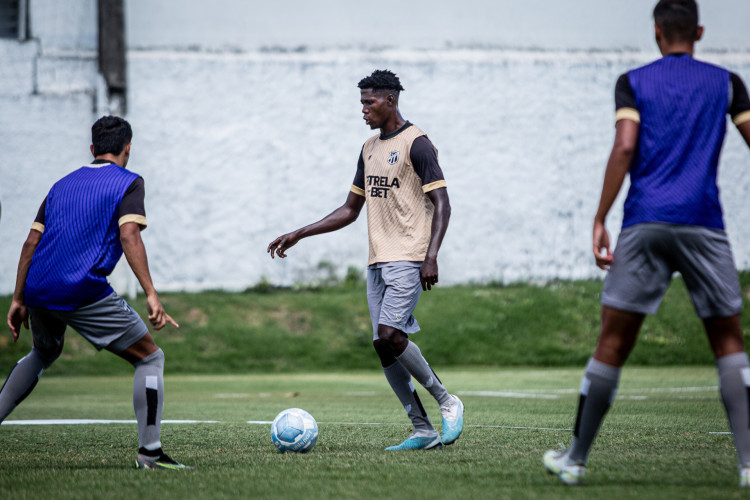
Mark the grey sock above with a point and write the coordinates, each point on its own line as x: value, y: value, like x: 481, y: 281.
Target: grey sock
x: 734, y: 386
x: 21, y: 380
x: 148, y: 399
x: 598, y: 390
x: 415, y: 364
x: 400, y: 382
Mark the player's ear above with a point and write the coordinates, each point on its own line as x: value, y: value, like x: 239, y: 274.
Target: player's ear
x: 699, y: 33
x: 657, y: 33
x: 92, y: 150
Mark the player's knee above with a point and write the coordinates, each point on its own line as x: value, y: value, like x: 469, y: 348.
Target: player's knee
x: 385, y: 352
x: 47, y: 356
x: 387, y: 333
x: 396, y: 339
x: 155, y: 359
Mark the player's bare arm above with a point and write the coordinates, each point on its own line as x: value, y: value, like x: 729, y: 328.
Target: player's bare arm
x: 428, y: 274
x: 341, y: 217
x: 745, y: 132
x: 18, y: 313
x: 626, y: 140
x: 135, y: 253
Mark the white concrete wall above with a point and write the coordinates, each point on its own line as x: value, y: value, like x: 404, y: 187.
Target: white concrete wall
x: 545, y: 24
x: 239, y: 145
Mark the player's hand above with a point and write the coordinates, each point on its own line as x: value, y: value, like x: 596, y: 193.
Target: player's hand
x: 281, y: 244
x: 428, y: 273
x: 602, y: 252
x: 156, y: 313
x: 17, y: 315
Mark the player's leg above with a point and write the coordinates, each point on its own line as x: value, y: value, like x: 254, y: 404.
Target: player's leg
x: 398, y: 378
x: 639, y: 276
x: 402, y: 291
x: 725, y: 337
x: 48, y: 333
x: 600, y: 380
x: 113, y: 325
x: 597, y: 392
x: 707, y: 266
x: 148, y: 401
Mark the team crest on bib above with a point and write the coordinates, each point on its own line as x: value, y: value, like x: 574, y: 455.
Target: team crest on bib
x: 392, y: 157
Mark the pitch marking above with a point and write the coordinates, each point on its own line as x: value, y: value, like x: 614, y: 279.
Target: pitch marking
x: 395, y: 424
x: 86, y: 421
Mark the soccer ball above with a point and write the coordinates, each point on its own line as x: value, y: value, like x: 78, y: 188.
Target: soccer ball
x: 294, y: 430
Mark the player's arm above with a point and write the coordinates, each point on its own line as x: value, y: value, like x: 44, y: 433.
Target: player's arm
x: 18, y: 312
x: 627, y: 126
x: 424, y: 159
x: 341, y: 217
x: 428, y: 274
x: 135, y: 253
x: 745, y: 132
x: 740, y: 107
x: 132, y: 220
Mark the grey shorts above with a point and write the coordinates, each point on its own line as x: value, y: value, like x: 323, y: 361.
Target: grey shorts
x: 646, y: 257
x: 393, y: 290
x: 109, y: 323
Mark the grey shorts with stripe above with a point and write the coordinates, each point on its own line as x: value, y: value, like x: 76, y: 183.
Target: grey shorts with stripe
x: 393, y: 290
x: 109, y: 323
x: 646, y: 257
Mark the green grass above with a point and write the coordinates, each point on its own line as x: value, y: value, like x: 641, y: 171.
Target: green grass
x: 282, y: 330
x: 655, y: 443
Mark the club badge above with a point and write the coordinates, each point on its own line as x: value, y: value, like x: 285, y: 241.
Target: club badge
x: 393, y: 157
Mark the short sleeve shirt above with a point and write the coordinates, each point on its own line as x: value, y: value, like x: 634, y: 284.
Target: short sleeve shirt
x: 626, y: 108
x: 132, y: 207
x: 394, y: 174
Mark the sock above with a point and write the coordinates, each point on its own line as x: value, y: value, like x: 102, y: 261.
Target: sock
x: 400, y: 382
x: 148, y: 400
x: 417, y: 366
x: 157, y: 453
x: 598, y: 390
x: 21, y: 380
x: 734, y: 386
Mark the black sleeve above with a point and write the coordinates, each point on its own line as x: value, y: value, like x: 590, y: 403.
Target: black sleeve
x: 424, y: 158
x: 133, y: 201
x: 40, y: 213
x: 359, y: 177
x: 624, y: 96
x: 740, y: 100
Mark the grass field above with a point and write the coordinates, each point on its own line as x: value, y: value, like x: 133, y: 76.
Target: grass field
x: 242, y: 357
x: 657, y: 442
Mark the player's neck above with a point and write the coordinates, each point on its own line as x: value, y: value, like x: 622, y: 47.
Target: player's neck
x: 116, y: 159
x: 393, y: 124
x: 669, y: 49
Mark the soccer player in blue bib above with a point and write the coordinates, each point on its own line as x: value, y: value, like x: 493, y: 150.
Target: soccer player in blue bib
x: 670, y: 126
x: 87, y: 221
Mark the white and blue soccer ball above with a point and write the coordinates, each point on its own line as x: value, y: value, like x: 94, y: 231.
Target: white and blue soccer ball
x: 294, y: 430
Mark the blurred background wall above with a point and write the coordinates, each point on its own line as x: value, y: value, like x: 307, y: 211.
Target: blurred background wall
x: 247, y: 125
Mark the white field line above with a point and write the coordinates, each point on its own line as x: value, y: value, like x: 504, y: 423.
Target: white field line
x: 87, y: 421
x: 400, y: 424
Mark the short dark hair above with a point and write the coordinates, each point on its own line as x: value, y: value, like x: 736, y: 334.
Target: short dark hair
x: 678, y: 19
x: 110, y: 134
x: 381, y: 80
